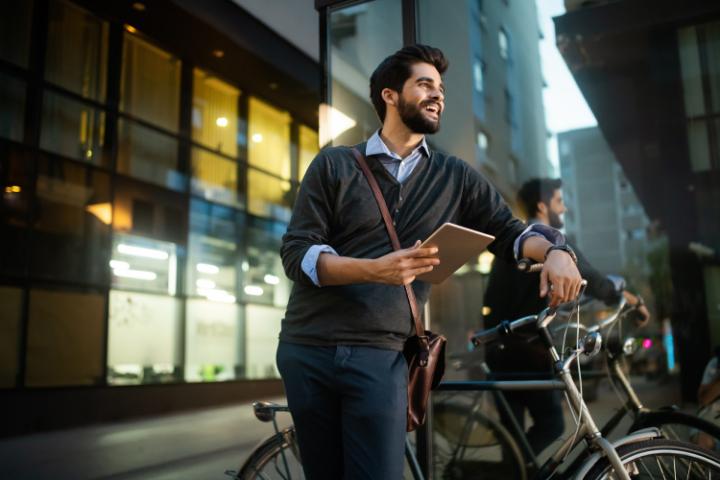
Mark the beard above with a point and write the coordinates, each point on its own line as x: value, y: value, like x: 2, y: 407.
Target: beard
x: 555, y: 220
x: 413, y: 117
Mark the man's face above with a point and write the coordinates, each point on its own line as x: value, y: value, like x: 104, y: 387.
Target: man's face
x: 422, y: 99
x: 556, y: 209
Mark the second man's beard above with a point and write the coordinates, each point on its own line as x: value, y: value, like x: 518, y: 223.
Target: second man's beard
x: 555, y: 220
x: 413, y: 117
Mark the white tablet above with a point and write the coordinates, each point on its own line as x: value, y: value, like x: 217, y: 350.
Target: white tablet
x: 456, y: 246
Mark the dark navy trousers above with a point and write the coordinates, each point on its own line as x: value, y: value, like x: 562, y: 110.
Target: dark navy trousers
x: 349, y: 406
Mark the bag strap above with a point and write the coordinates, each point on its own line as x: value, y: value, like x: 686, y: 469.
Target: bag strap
x: 419, y: 328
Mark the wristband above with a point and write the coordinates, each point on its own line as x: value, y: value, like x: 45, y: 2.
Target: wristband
x: 564, y: 248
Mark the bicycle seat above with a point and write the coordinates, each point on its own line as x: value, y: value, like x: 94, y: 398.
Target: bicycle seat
x: 265, y: 411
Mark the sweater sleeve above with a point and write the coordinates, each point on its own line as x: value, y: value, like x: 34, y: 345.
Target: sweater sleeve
x: 486, y: 211
x: 599, y: 286
x: 311, y: 218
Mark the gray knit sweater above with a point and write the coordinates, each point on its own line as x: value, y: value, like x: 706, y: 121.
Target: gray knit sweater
x: 335, y: 206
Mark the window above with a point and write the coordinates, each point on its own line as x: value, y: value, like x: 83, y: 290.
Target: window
x: 76, y: 50
x: 216, y: 178
x: 215, y: 113
x: 73, y: 129
x: 269, y: 132
x: 150, y: 84
x: 264, y: 280
x: 144, y: 338
x: 149, y: 155
x: 213, y: 255
x: 11, y: 300
x: 309, y: 147
x: 65, y: 338
x: 215, y: 341
x: 478, y: 75
x: 263, y: 328
x: 16, y: 184
x: 15, y: 25
x: 141, y: 263
x: 72, y: 223
x: 12, y: 107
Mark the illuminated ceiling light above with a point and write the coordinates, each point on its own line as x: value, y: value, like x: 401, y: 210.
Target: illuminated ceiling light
x: 130, y: 29
x: 245, y: 266
x: 207, y: 268
x: 136, y: 274
x: 142, y: 252
x: 485, y: 262
x: 221, y: 122
x: 119, y: 265
x: 271, y: 279
x: 13, y: 189
x: 486, y: 311
x: 218, y: 295
x: 333, y: 123
x: 139, y: 6
x: 103, y: 211
x: 257, y: 137
x: 218, y: 53
x: 254, y: 290
x: 204, y: 283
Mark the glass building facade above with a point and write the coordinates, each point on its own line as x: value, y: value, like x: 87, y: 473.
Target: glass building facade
x: 147, y: 181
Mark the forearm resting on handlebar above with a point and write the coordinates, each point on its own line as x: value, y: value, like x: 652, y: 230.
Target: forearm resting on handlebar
x: 559, y: 270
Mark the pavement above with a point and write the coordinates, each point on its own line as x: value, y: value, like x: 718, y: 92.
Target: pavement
x: 194, y: 445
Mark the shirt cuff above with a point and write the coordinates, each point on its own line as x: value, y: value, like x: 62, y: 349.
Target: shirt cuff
x: 550, y: 234
x: 309, y: 261
x: 618, y: 282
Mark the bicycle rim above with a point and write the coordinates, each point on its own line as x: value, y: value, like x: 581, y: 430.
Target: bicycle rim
x: 661, y: 459
x: 276, y: 459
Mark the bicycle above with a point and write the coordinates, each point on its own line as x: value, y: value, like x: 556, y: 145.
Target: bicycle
x: 643, y: 454
x: 467, y: 431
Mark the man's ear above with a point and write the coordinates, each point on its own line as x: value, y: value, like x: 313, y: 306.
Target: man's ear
x: 542, y: 208
x: 390, y: 96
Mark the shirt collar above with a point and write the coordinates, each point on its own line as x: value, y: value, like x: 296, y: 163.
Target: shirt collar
x: 375, y: 146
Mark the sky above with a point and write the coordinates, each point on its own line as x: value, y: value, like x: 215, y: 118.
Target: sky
x: 565, y: 107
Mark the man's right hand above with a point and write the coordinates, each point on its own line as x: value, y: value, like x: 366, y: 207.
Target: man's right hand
x: 402, y: 266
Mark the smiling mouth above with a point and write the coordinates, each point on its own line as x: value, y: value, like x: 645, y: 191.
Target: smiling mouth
x: 433, y: 109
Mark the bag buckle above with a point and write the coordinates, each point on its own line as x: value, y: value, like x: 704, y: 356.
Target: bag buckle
x: 424, y: 353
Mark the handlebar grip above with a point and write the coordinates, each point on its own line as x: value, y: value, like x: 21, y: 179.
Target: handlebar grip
x: 527, y: 266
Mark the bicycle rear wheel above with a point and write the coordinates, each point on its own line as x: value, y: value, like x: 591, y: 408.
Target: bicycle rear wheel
x: 277, y: 458
x: 660, y: 459
x: 469, y: 446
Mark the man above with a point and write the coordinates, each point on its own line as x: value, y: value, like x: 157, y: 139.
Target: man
x: 340, y: 352
x: 512, y: 294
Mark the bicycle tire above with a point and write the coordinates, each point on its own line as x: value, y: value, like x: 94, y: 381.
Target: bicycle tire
x: 662, y: 459
x: 664, y: 419
x: 266, y: 461
x: 487, y: 434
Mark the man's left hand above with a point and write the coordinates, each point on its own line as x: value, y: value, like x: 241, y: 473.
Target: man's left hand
x: 560, y: 277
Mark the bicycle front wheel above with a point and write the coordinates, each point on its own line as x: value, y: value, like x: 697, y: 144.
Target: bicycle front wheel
x: 660, y: 459
x: 277, y: 458
x: 682, y: 427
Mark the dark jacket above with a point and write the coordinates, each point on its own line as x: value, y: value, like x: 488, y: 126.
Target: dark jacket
x: 335, y: 206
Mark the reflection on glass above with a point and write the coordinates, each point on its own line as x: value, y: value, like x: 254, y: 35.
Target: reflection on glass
x: 309, y: 147
x: 143, y: 338
x: 147, y: 154
x: 214, y: 341
x: 15, y: 23
x: 215, y: 113
x: 360, y: 37
x: 11, y: 300
x: 264, y: 280
x: 17, y: 182
x: 65, y: 338
x: 268, y: 196
x: 269, y: 134
x: 215, y: 178
x: 262, y: 327
x: 12, y: 107
x: 213, y: 247
x: 139, y: 263
x: 72, y: 224
x: 72, y: 129
x: 76, y: 50
x: 150, y: 83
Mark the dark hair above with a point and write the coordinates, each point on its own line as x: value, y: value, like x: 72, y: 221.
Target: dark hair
x: 537, y: 190
x: 395, y: 70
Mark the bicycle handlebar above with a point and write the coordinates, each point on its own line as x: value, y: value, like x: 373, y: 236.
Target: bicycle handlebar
x: 503, y: 328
